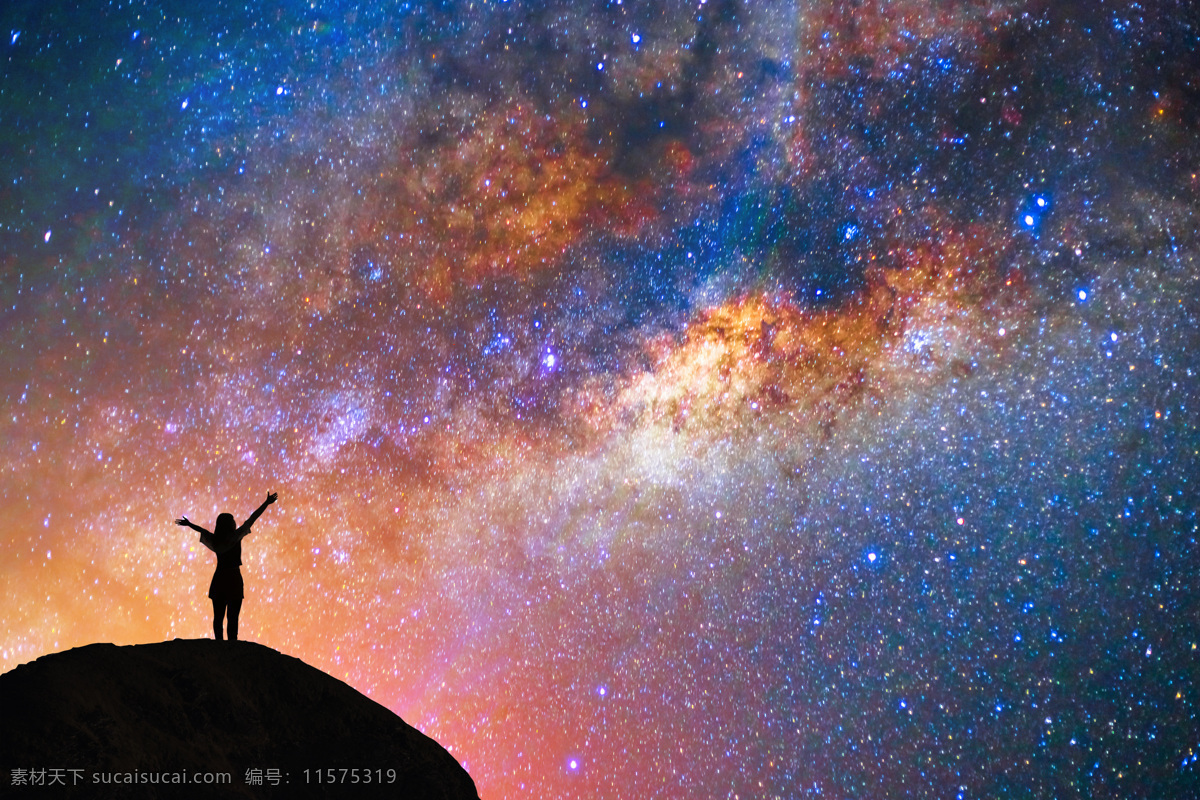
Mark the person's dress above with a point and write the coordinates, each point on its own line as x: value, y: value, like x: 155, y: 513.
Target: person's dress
x: 226, y: 582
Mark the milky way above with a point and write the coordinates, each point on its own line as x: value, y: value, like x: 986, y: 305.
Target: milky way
x: 706, y: 399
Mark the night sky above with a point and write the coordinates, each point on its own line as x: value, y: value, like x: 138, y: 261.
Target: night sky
x: 665, y: 399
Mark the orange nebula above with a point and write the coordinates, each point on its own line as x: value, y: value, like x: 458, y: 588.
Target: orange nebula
x: 763, y: 355
x: 505, y: 196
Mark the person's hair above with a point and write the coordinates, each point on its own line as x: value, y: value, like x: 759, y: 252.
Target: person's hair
x: 225, y: 526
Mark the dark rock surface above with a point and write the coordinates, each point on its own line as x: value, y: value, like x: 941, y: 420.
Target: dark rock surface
x: 162, y: 711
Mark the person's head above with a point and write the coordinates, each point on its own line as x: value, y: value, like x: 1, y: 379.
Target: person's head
x: 225, y: 525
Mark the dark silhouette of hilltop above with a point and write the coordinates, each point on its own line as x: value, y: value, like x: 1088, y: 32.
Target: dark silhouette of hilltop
x: 153, y: 715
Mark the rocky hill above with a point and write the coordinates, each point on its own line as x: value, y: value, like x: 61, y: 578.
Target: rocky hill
x: 207, y: 718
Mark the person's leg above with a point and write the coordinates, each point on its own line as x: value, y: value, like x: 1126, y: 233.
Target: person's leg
x: 235, y: 606
x: 218, y: 617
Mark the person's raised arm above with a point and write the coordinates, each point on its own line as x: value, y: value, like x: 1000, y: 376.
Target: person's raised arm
x: 187, y: 523
x: 206, y: 537
x: 271, y: 498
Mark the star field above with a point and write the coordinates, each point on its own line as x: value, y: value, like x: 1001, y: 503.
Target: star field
x: 665, y: 399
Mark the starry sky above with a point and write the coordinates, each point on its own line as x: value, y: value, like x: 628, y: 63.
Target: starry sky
x: 721, y: 398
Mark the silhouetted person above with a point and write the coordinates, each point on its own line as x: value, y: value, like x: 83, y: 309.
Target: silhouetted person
x: 226, y: 591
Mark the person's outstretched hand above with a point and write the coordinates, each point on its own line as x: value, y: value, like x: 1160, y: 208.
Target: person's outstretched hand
x: 183, y: 521
x: 272, y: 497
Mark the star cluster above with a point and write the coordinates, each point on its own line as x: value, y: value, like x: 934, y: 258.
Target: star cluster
x: 666, y: 399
